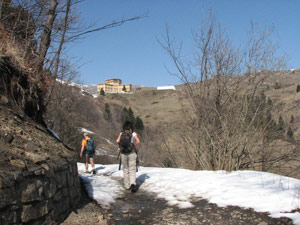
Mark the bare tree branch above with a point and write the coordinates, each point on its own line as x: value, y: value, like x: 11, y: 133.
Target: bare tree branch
x: 107, y: 26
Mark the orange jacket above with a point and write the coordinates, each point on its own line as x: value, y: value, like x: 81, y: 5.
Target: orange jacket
x: 83, y: 143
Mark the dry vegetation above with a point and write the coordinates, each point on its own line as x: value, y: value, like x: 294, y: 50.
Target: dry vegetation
x: 216, y: 120
x: 161, y: 112
x: 33, y: 37
x: 232, y: 124
x: 165, y: 114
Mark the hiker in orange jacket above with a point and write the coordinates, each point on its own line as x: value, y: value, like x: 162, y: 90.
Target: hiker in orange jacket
x: 88, y: 155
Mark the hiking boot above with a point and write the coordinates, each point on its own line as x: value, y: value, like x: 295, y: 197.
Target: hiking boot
x: 86, y: 171
x: 133, y: 188
x: 94, y: 172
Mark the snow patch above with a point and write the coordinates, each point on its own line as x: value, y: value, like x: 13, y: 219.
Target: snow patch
x: 83, y: 130
x: 160, y: 88
x: 261, y: 191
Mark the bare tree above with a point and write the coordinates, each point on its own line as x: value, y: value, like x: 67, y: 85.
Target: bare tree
x: 68, y: 32
x: 230, y: 125
x: 41, y: 31
x: 44, y: 28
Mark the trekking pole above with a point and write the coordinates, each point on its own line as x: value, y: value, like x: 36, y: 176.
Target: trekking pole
x: 119, y: 156
x: 137, y: 159
x: 120, y: 163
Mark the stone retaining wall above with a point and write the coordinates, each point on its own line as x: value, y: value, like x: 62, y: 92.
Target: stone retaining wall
x: 42, y: 195
x: 39, y: 181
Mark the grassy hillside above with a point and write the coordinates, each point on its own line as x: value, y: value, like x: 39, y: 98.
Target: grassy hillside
x: 164, y: 111
x: 165, y: 118
x: 161, y: 112
x: 286, y: 100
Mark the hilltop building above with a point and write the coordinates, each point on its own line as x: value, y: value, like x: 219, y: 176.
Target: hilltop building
x: 114, y: 86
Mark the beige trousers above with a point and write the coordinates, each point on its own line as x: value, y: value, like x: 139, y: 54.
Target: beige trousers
x: 129, y: 169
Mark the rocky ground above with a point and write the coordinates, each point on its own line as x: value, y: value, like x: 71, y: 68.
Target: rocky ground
x: 143, y: 208
x: 38, y: 173
x: 88, y: 212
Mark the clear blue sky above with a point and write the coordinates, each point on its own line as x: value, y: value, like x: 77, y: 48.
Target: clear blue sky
x: 131, y: 52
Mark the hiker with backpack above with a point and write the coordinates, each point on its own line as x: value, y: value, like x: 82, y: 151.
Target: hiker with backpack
x: 88, y: 148
x: 128, y: 141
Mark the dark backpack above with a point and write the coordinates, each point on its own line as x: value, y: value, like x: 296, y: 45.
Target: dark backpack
x: 125, y: 142
x: 90, y: 146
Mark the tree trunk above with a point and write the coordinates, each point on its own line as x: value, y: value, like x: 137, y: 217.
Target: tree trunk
x: 46, y: 36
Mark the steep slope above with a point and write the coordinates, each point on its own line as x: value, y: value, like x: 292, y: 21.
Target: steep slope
x: 165, y: 117
x: 164, y: 112
x: 162, y: 115
x: 38, y: 173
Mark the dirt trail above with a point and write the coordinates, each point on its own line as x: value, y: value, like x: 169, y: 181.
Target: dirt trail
x: 144, y: 208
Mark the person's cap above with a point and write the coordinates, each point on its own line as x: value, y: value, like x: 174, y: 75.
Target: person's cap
x: 85, y: 134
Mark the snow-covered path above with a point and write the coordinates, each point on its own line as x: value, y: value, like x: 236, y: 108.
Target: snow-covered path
x: 264, y: 192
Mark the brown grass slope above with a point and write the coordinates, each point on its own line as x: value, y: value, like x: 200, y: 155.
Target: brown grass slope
x: 163, y: 111
x: 164, y: 117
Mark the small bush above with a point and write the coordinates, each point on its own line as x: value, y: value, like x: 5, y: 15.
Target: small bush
x: 290, y: 133
x: 102, y: 92
x: 107, y: 113
x: 277, y: 85
x: 292, y: 119
x: 281, y: 125
x: 298, y: 88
